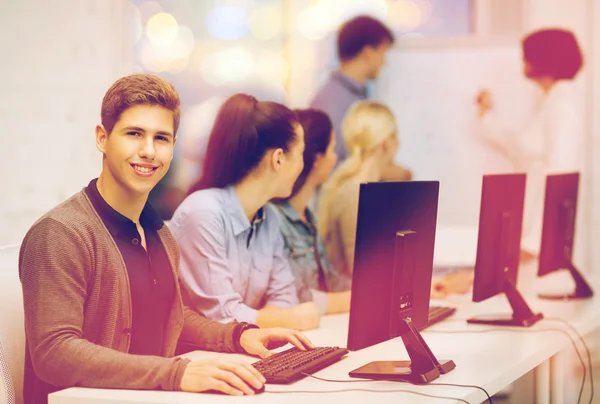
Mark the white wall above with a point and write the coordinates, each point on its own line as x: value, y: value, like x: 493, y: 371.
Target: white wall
x: 58, y: 59
x: 594, y: 113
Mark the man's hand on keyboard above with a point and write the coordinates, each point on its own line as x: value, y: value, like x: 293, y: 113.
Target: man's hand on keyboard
x: 229, y: 376
x: 257, y: 341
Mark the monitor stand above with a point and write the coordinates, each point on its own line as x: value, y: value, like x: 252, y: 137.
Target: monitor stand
x: 423, y: 366
x: 582, y: 289
x: 522, y: 315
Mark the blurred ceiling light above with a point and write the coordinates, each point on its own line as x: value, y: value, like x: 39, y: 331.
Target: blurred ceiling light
x: 148, y: 9
x: 271, y: 67
x: 137, y: 28
x: 162, y: 29
x: 228, y: 65
x: 407, y: 15
x: 224, y: 22
x: 265, y: 22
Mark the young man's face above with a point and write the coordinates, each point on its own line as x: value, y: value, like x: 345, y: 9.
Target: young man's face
x: 139, y: 149
x: 376, y: 58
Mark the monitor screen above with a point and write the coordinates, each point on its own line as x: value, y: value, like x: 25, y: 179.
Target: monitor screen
x: 558, y: 229
x: 499, y: 240
x: 395, y: 237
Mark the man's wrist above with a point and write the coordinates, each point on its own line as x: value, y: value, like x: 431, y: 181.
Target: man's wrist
x: 237, y: 335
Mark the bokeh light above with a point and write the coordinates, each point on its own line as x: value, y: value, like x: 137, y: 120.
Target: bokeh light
x: 225, y: 22
x: 151, y: 58
x: 148, y: 9
x: 265, y: 22
x: 311, y: 23
x: 407, y: 15
x: 272, y: 68
x: 174, y: 57
x: 162, y: 29
x: 186, y: 37
x: 227, y: 66
x: 325, y: 16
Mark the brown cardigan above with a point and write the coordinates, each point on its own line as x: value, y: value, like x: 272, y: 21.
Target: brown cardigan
x: 78, y: 310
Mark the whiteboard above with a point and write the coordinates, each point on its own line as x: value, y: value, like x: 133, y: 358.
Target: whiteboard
x: 432, y: 94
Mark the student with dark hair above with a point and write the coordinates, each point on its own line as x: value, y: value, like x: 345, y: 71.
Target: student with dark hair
x: 233, y: 267
x: 316, y: 279
x: 362, y: 44
x: 552, y: 142
x: 99, y: 273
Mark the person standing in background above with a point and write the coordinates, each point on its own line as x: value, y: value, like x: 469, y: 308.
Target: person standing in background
x: 552, y: 142
x: 362, y: 44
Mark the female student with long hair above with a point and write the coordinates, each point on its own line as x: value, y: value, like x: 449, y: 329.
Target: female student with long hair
x: 370, y: 132
x: 552, y: 142
x: 316, y: 279
x: 232, y: 262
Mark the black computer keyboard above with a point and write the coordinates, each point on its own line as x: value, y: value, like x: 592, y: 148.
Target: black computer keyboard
x: 293, y: 364
x: 437, y: 314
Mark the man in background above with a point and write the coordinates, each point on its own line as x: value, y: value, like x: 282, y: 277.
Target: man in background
x: 362, y: 44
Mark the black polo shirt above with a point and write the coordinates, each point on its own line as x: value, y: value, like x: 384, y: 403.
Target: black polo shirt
x: 151, y: 281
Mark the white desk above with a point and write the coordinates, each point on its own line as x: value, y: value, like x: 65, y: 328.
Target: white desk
x: 491, y: 360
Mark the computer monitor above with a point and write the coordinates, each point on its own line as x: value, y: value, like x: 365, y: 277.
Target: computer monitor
x: 558, y: 233
x: 391, y: 280
x: 499, y: 247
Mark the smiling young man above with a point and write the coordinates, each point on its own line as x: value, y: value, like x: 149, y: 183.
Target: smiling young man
x: 99, y: 273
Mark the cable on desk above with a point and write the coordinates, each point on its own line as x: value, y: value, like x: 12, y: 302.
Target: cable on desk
x: 414, y: 384
x: 587, y: 351
x: 369, y: 391
x: 516, y: 330
x: 466, y: 386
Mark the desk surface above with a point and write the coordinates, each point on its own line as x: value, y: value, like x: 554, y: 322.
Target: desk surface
x: 491, y: 360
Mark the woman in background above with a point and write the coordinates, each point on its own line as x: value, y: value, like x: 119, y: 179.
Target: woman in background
x: 233, y: 266
x: 552, y: 142
x: 369, y: 130
x: 316, y: 279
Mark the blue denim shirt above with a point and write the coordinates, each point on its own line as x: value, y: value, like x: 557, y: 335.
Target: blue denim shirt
x: 299, y: 239
x: 230, y: 267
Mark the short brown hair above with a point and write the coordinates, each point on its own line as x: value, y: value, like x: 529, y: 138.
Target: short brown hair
x: 138, y: 89
x: 354, y: 35
x: 553, y: 52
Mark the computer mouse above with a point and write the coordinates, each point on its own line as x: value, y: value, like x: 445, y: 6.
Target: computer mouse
x: 259, y: 391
